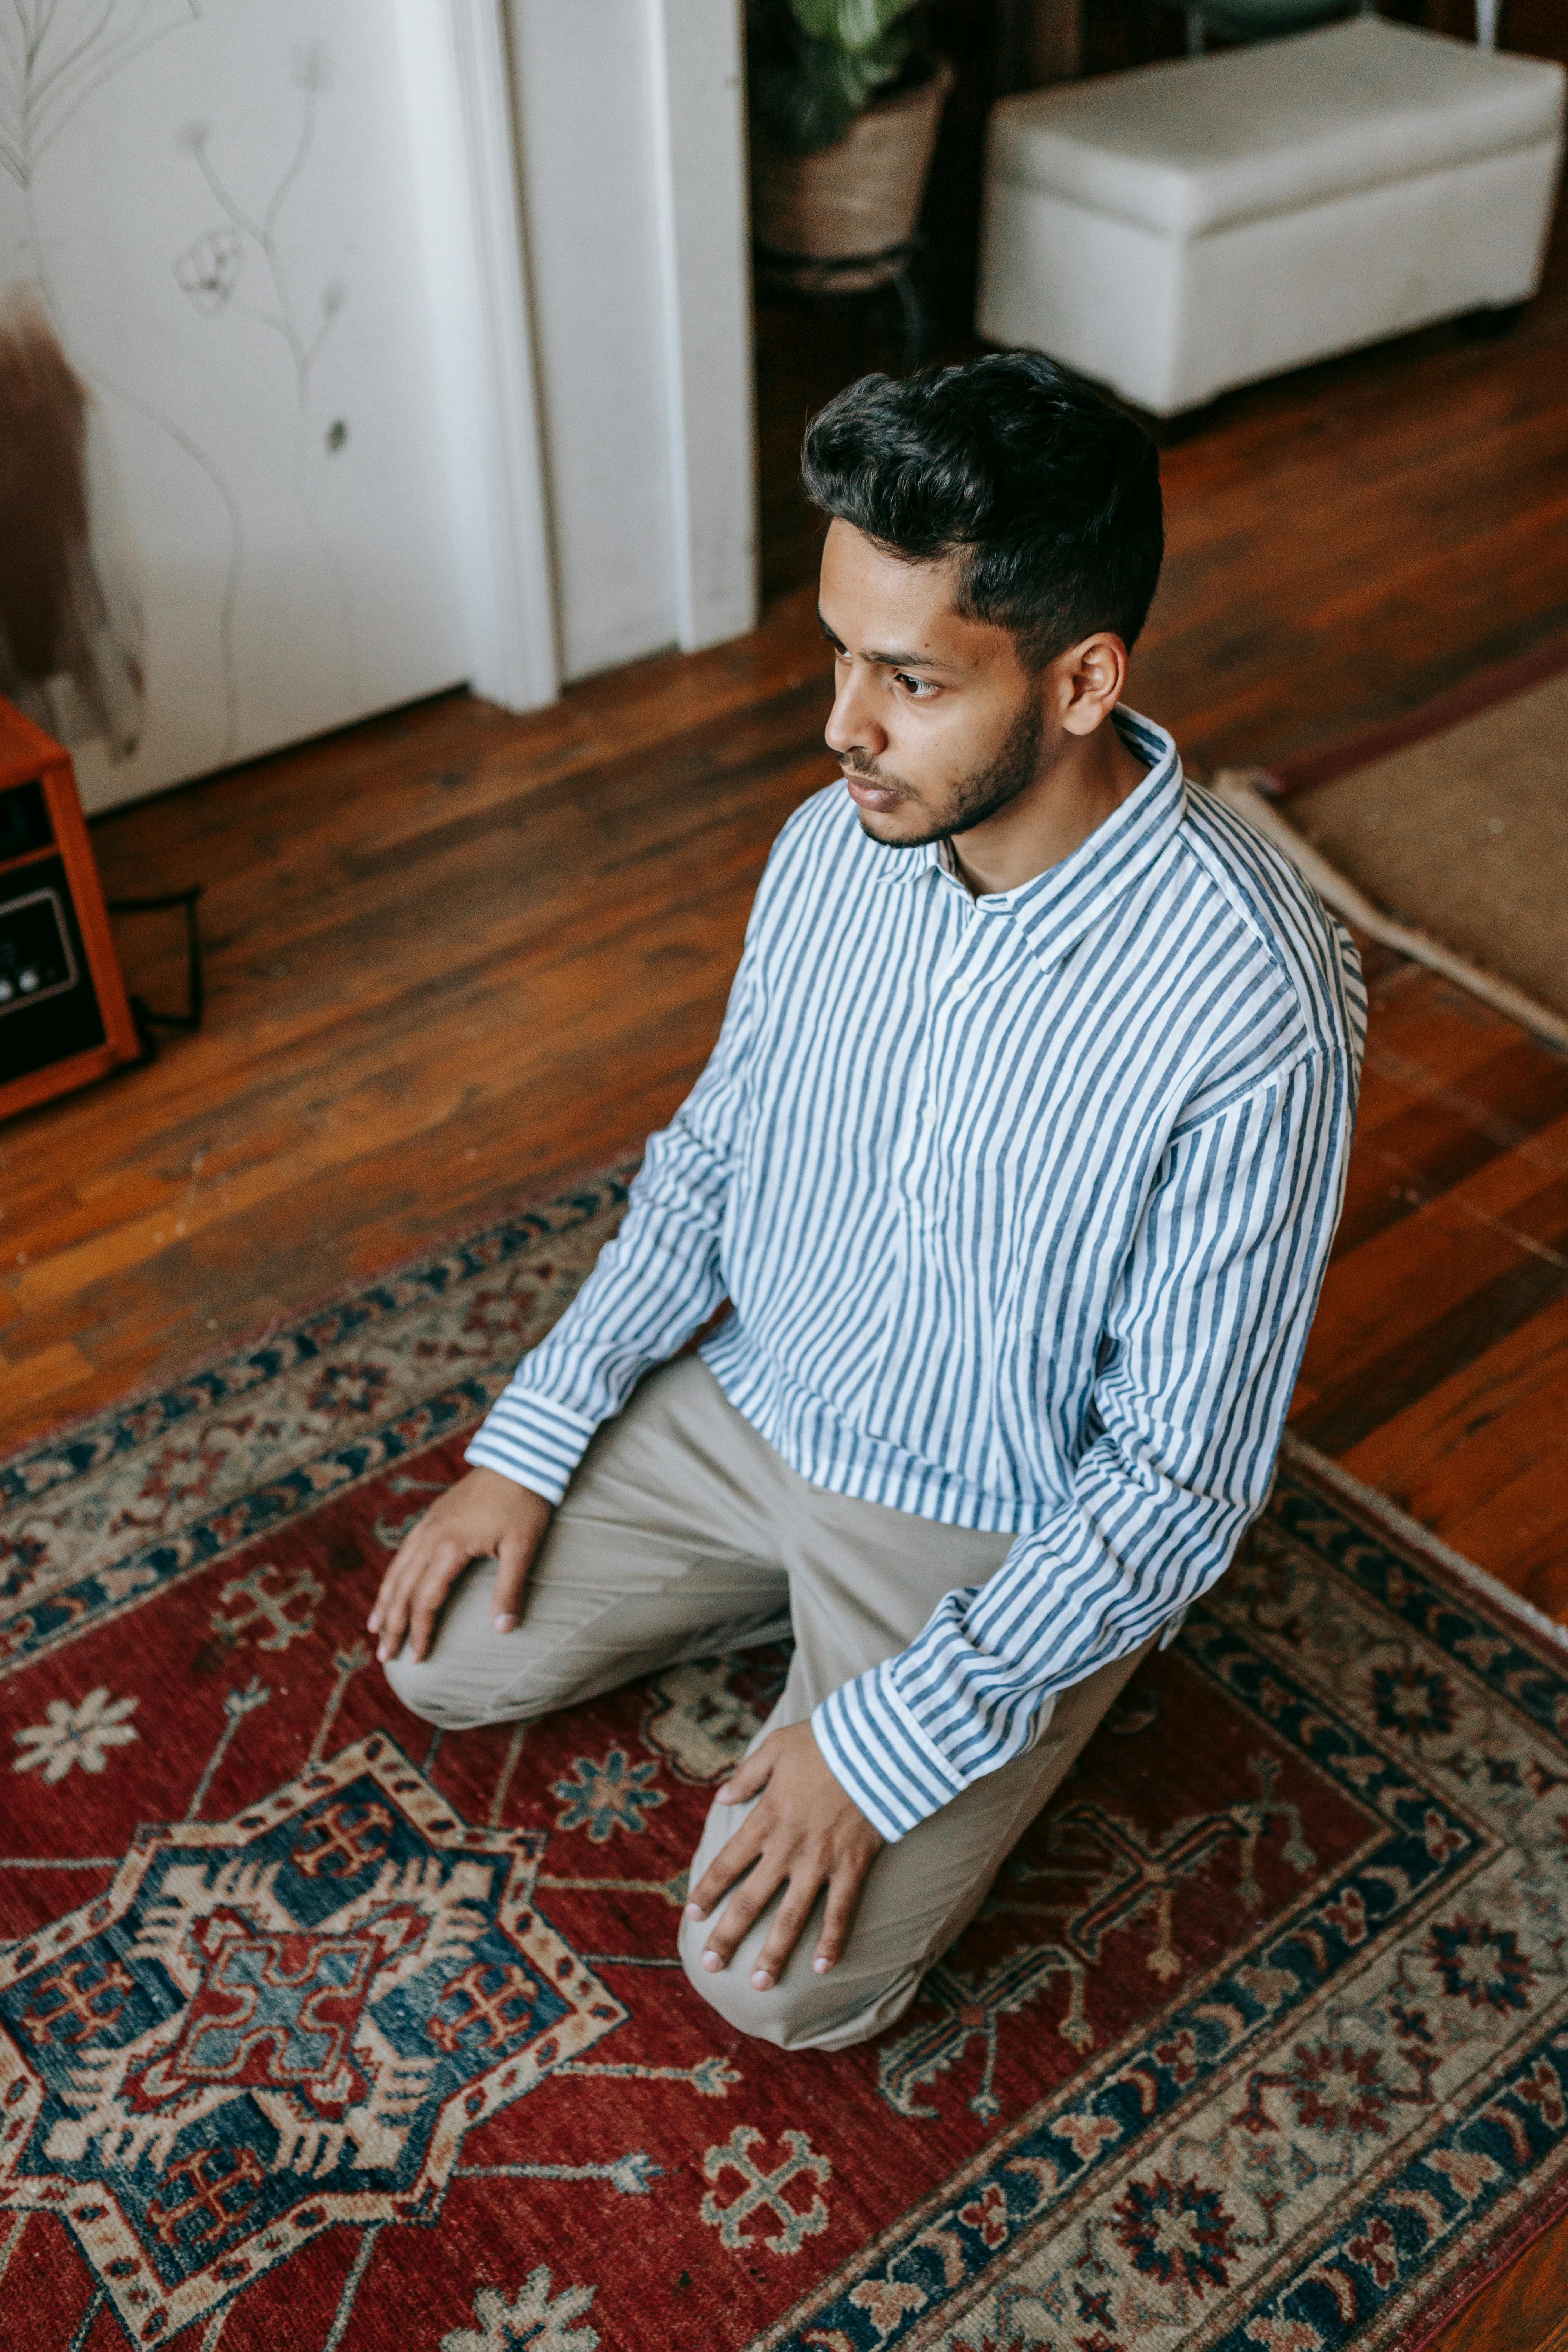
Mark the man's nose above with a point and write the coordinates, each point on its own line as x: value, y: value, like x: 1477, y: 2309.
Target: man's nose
x: 852, y: 725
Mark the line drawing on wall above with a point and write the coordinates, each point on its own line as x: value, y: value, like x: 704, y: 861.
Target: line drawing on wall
x: 209, y: 271
x: 55, y: 53
x: 73, y: 657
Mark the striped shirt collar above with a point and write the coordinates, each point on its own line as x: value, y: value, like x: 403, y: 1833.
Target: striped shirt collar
x: 1055, y: 908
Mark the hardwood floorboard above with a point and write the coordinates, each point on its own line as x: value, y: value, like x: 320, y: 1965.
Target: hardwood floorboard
x: 1417, y: 1361
x: 1525, y: 2310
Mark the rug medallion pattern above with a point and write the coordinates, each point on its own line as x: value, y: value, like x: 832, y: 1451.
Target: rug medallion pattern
x: 317, y: 2028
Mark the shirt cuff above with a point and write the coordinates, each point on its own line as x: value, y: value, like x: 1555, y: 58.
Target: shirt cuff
x: 880, y: 1755
x: 531, y: 1438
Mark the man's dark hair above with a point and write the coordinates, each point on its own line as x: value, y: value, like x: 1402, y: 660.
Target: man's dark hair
x: 1050, y: 495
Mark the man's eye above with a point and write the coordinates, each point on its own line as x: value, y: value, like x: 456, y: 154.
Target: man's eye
x: 922, y: 689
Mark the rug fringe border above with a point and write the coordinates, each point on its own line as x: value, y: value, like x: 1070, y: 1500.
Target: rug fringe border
x: 1323, y: 1471
x: 1466, y: 2292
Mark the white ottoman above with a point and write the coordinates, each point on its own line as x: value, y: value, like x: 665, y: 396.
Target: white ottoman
x: 1184, y: 227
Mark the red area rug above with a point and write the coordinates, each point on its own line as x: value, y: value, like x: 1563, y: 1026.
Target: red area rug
x: 318, y: 2031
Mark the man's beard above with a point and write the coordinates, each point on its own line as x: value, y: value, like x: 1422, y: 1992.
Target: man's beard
x: 984, y: 794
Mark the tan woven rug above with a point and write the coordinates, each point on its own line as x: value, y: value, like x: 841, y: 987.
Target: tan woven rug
x: 1466, y: 835
x: 1444, y: 834
x: 1456, y: 822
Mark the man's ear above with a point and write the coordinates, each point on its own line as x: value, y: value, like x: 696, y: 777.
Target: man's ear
x: 1092, y: 677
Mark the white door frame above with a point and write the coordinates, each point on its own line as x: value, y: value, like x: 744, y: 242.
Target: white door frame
x: 458, y: 68
x: 465, y: 157
x: 704, y: 241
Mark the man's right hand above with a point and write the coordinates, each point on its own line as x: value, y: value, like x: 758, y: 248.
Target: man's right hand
x: 484, y: 1516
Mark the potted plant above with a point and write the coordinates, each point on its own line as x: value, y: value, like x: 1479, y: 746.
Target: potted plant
x: 845, y: 97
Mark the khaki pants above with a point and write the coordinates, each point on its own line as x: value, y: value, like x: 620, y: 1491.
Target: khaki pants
x: 683, y: 1533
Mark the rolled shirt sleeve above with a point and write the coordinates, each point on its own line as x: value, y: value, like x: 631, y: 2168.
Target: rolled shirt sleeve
x: 1201, y: 1352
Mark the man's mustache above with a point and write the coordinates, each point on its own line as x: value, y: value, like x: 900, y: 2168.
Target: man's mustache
x: 871, y: 775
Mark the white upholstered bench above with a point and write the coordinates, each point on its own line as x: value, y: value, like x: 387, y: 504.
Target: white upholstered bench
x: 1181, y: 228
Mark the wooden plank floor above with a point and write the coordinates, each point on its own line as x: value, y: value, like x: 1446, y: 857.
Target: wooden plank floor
x: 1438, y: 1367
x: 456, y: 957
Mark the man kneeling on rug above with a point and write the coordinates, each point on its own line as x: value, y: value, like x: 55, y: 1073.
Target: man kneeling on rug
x: 1017, y: 1159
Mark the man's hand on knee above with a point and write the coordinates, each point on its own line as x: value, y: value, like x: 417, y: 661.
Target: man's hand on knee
x: 803, y: 1835
x: 483, y: 1516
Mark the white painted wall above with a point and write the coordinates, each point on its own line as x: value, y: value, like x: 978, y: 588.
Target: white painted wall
x: 631, y: 127
x: 210, y: 213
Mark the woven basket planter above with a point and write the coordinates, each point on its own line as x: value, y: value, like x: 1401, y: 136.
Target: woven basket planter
x: 845, y: 218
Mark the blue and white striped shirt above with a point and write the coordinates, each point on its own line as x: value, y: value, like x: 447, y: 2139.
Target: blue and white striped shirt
x: 1023, y: 1203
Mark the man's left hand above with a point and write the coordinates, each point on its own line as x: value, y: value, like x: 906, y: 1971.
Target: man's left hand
x: 803, y: 1833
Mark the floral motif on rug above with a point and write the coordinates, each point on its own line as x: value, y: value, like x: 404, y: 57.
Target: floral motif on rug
x: 319, y: 2028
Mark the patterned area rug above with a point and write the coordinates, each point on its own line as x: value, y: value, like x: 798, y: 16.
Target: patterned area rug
x: 319, y: 2030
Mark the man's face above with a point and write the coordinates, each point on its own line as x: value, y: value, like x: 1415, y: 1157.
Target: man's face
x: 935, y: 721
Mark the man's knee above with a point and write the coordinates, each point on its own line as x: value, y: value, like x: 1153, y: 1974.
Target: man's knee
x: 762, y: 2016
x: 427, y: 1692
x: 429, y: 1688
x: 802, y: 2012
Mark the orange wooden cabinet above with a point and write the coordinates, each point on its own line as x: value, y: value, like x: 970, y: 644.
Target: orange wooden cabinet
x: 64, y: 1018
